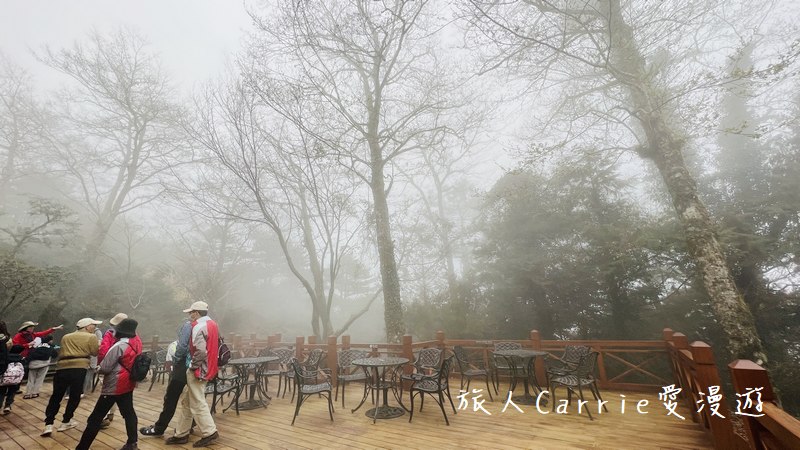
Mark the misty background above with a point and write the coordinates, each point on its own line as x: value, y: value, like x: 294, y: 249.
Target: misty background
x: 376, y: 168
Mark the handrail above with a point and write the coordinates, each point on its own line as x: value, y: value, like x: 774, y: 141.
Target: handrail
x: 768, y: 428
x: 692, y: 365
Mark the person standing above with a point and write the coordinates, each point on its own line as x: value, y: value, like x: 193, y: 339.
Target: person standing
x: 116, y: 367
x: 108, y: 339
x: 25, y: 335
x: 91, y: 372
x: 202, y: 363
x: 38, y: 363
x: 9, y: 391
x: 177, y: 381
x: 76, y: 350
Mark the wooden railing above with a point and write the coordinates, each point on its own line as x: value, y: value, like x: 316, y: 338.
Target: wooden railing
x: 640, y: 365
x: 770, y: 427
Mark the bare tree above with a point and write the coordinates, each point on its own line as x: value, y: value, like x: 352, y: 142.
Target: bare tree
x: 369, y: 65
x: 47, y: 221
x: 635, y: 76
x: 21, y: 121
x: 116, y: 135
x: 269, y: 172
x: 210, y: 256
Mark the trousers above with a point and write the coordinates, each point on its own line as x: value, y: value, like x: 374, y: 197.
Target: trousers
x: 65, y: 379
x: 35, y: 380
x: 104, y: 404
x: 194, y: 406
x: 174, y: 390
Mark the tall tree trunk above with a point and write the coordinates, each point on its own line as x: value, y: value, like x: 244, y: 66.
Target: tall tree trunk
x: 665, y: 148
x: 393, y: 306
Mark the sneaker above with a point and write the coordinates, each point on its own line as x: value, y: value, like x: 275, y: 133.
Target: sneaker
x: 175, y: 440
x: 48, y: 430
x: 151, y: 431
x: 7, y: 410
x: 206, y: 441
x: 67, y: 425
x: 133, y: 446
x: 105, y: 424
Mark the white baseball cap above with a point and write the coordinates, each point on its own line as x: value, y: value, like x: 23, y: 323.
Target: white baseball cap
x: 197, y: 306
x: 86, y: 321
x: 117, y: 319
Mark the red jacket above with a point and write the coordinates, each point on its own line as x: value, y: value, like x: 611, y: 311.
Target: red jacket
x: 24, y: 338
x: 116, y: 366
x: 204, y: 348
x: 105, y: 344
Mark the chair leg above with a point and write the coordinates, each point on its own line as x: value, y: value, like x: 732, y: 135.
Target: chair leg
x: 441, y: 406
x: 411, y: 411
x: 330, y: 405
x: 451, y: 400
x: 152, y: 382
x: 596, y: 391
x: 296, y: 409
x: 580, y: 392
x: 489, y: 391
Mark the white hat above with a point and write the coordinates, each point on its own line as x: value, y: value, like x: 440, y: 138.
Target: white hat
x: 26, y: 325
x: 86, y: 321
x: 197, y: 306
x: 117, y: 319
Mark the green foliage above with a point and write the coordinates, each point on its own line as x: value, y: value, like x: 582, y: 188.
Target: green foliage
x: 23, y: 285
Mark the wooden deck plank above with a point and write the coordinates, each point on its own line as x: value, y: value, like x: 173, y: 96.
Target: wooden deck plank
x: 270, y: 428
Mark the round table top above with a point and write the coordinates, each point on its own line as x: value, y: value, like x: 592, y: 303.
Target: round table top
x: 253, y: 360
x: 520, y: 353
x: 380, y: 361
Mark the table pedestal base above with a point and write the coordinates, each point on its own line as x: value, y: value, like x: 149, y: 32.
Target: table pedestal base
x: 385, y: 412
x: 247, y: 405
x: 528, y: 399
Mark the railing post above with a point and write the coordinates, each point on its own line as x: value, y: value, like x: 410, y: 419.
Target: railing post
x: 333, y: 360
x: 408, y: 352
x: 278, y: 338
x: 681, y: 342
x: 707, y: 375
x: 440, y: 339
x: 271, y: 341
x: 154, y: 343
x: 346, y: 342
x: 237, y: 343
x: 298, y: 347
x: 539, y: 368
x: 747, y: 374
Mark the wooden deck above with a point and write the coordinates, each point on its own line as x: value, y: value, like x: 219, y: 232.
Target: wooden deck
x: 269, y: 428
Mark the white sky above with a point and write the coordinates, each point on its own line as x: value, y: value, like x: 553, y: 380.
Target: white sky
x: 194, y: 38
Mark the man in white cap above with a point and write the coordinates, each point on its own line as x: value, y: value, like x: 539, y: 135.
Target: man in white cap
x: 202, y: 363
x: 107, y: 340
x: 76, y: 350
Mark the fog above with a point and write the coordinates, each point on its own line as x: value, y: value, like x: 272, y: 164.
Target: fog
x: 380, y: 168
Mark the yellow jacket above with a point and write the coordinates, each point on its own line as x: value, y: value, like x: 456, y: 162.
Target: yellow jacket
x: 76, y: 349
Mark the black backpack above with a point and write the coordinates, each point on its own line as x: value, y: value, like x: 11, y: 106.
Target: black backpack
x: 223, y: 353
x: 140, y: 367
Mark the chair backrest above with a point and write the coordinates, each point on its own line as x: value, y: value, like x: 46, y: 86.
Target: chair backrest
x: 507, y: 346
x: 586, y: 366
x: 574, y: 353
x: 315, y: 357
x: 161, y: 357
x: 428, y: 357
x: 444, y: 371
x: 461, y: 358
x: 345, y: 358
